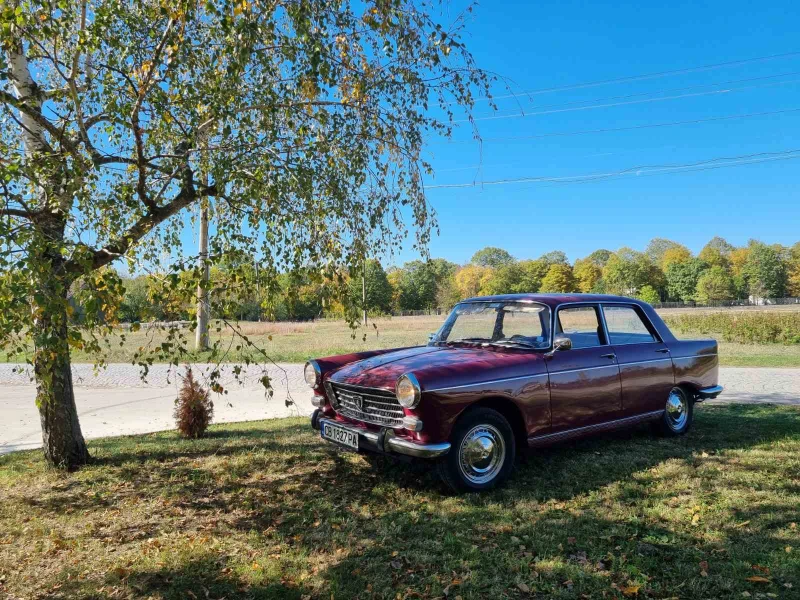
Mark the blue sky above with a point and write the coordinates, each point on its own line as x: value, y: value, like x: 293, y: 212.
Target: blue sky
x: 556, y: 44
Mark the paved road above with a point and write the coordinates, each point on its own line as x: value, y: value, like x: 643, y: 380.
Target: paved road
x: 115, y: 401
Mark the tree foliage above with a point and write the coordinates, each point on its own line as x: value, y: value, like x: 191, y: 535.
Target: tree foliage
x: 298, y: 124
x: 492, y: 257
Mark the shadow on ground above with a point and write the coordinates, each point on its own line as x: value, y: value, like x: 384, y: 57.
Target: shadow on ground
x: 269, y: 511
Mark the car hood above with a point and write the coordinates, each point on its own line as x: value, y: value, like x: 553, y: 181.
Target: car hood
x: 438, y: 366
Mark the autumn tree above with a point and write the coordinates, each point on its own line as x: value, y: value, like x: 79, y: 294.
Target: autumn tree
x: 587, y: 275
x: 298, y: 125
x: 559, y: 278
x: 628, y: 270
x: 717, y: 252
x: 658, y: 248
x: 468, y: 280
x: 764, y: 271
x: 492, y: 257
x: 714, y: 285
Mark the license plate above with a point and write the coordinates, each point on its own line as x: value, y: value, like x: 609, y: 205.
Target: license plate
x: 340, y: 435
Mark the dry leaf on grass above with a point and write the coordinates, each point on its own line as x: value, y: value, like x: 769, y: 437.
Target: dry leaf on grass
x: 758, y: 579
x: 630, y: 590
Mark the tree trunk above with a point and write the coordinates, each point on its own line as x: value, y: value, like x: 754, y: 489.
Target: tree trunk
x: 64, y: 446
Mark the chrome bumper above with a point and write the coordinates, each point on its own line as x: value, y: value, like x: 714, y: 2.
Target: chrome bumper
x: 709, y: 393
x: 385, y: 441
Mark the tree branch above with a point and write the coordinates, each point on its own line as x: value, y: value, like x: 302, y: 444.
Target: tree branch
x: 15, y: 212
x: 117, y: 248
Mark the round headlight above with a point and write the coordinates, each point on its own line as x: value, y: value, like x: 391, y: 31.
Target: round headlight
x: 408, y: 391
x: 311, y: 373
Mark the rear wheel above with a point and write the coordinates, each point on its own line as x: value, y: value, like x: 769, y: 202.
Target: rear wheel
x: 482, y: 453
x: 678, y: 413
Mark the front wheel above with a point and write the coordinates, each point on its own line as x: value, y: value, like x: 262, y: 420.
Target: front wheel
x: 482, y: 453
x: 678, y: 413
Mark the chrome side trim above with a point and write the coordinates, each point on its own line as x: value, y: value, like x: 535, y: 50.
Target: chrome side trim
x: 642, y: 362
x: 552, y: 438
x: 608, y: 366
x: 480, y: 383
x: 693, y: 356
x: 393, y: 443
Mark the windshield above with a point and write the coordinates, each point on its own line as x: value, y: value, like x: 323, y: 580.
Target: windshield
x: 512, y: 324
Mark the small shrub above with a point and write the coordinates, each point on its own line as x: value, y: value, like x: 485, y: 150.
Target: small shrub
x: 193, y: 408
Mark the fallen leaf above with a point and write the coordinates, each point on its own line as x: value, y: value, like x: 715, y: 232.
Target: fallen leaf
x: 396, y: 564
x: 522, y: 587
x: 760, y: 568
x: 695, y: 518
x: 630, y: 590
x: 743, y: 524
x: 788, y: 549
x: 703, y: 568
x: 757, y: 579
x: 121, y: 572
x: 570, y: 540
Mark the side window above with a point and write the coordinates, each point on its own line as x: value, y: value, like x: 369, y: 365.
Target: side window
x: 625, y: 326
x: 581, y: 325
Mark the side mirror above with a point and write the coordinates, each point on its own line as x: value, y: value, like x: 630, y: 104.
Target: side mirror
x: 560, y: 344
x: 431, y: 338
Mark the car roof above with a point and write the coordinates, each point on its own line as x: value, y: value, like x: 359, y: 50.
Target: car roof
x: 554, y: 299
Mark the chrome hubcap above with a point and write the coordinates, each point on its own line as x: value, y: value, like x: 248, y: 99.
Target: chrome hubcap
x: 482, y: 454
x: 677, y: 411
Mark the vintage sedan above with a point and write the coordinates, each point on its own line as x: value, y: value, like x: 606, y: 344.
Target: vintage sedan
x: 506, y: 372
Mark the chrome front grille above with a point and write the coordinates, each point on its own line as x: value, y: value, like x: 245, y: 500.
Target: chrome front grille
x: 367, y: 404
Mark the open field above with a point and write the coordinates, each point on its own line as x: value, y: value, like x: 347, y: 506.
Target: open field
x: 297, y: 342
x: 266, y: 510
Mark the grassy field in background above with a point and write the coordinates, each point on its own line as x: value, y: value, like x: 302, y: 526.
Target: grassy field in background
x: 297, y: 342
x: 267, y: 510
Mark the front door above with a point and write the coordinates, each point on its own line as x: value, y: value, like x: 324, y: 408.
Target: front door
x: 644, y: 361
x: 584, y: 381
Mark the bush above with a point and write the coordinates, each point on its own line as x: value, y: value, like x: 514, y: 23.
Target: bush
x: 193, y: 408
x: 755, y: 327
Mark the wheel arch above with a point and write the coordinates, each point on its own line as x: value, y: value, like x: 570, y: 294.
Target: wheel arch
x: 509, y: 409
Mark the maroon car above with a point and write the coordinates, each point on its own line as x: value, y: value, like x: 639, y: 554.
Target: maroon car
x: 505, y: 372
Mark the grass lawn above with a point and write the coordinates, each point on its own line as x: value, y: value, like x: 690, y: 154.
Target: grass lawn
x: 266, y: 510
x: 297, y: 342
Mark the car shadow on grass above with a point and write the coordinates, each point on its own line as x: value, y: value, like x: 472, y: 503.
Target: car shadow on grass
x: 298, y: 519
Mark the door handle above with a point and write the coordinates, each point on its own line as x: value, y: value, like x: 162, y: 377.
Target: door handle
x: 662, y: 350
x: 611, y: 356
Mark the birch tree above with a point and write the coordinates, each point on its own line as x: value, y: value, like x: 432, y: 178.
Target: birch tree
x: 301, y: 123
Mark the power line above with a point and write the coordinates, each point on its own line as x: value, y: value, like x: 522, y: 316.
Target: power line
x: 718, y: 162
x: 667, y: 90
x: 629, y: 128
x: 628, y: 103
x: 630, y: 78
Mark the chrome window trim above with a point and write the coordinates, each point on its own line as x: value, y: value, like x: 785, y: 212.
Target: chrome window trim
x: 646, y: 321
x: 545, y: 306
x: 598, y: 312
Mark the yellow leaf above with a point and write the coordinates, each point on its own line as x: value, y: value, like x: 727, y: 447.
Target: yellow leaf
x: 788, y: 549
x: 757, y: 579
x: 695, y: 518
x: 630, y: 590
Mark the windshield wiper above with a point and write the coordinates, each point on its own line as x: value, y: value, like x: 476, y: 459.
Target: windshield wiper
x: 503, y: 343
x: 469, y: 340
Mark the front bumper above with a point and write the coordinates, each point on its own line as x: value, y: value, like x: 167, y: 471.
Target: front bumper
x: 709, y: 393
x: 385, y: 441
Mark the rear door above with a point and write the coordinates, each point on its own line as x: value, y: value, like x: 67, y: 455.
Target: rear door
x: 584, y: 381
x: 644, y: 361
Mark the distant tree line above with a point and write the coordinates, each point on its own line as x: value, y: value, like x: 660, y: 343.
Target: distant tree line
x: 666, y: 271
